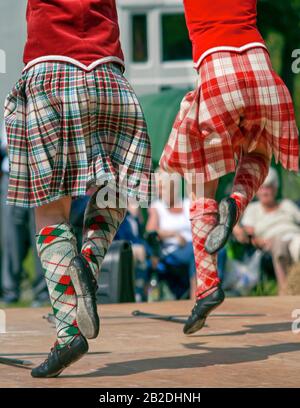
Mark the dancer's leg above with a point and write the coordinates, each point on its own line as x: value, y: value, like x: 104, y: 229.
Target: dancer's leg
x: 204, y: 216
x: 99, y: 229
x: 251, y: 172
x: 56, y: 247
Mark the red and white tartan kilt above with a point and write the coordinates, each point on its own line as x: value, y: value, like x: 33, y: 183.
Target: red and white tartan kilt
x: 240, y: 99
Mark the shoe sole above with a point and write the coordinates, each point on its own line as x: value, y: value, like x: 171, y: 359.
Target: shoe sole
x: 196, y: 327
x: 87, y: 315
x: 48, y: 376
x: 213, y: 244
x: 199, y: 324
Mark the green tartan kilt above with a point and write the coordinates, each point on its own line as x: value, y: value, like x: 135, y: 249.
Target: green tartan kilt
x: 69, y: 129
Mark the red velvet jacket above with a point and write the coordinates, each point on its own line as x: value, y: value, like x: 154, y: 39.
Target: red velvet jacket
x: 85, y: 31
x: 221, y: 24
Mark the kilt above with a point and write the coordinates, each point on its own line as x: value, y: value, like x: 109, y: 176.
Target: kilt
x: 239, y: 101
x: 69, y: 129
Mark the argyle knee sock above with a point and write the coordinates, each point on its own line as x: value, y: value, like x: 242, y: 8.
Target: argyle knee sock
x: 250, y: 174
x: 56, y: 247
x: 204, y: 216
x: 99, y: 229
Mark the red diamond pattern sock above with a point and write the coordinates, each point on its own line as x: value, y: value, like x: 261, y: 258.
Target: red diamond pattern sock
x: 99, y: 229
x: 56, y: 247
x: 204, y: 216
x: 250, y: 174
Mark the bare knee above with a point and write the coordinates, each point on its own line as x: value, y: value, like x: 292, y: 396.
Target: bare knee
x: 53, y: 213
x: 261, y: 150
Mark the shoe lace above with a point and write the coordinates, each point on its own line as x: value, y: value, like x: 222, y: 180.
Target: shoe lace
x: 50, y: 354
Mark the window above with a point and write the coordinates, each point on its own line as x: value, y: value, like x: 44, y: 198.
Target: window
x: 176, y: 45
x: 139, y: 38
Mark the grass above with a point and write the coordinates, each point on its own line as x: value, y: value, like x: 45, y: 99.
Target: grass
x: 266, y: 288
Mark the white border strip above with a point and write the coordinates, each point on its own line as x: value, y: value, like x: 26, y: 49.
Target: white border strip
x: 62, y: 58
x: 227, y: 48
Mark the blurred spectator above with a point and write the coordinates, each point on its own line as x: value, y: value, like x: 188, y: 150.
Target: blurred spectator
x: 273, y: 226
x: 131, y: 230
x: 169, y: 216
x: 18, y: 236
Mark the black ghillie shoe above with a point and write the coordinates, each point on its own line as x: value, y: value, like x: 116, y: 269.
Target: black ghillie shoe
x: 61, y: 358
x: 202, y: 309
x: 219, y: 235
x: 85, y: 286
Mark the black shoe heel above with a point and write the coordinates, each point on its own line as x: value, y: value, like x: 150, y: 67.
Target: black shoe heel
x: 219, y: 235
x: 85, y: 287
x: 59, y: 359
x: 202, y: 309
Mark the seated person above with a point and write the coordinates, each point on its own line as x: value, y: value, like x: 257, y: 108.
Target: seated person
x: 273, y: 226
x: 169, y: 216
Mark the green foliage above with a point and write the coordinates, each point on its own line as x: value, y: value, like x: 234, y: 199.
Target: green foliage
x: 279, y: 22
x: 266, y: 288
x: 282, y: 16
x: 282, y: 19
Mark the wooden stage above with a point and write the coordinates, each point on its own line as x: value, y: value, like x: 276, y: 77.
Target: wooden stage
x: 247, y: 343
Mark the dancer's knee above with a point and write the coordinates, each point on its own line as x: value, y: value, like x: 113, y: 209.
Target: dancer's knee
x: 53, y: 213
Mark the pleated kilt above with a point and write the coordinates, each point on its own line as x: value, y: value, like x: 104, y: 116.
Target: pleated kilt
x: 239, y: 101
x: 69, y: 129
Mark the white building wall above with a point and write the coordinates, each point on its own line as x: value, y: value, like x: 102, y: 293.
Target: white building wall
x: 152, y: 76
